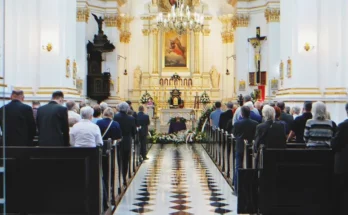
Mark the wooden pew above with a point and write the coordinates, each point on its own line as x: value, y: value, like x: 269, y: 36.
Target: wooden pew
x: 53, y: 180
x: 289, y: 181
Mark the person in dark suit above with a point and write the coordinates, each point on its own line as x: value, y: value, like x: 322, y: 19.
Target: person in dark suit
x: 52, y: 122
x: 20, y: 125
x: 340, y: 146
x: 226, y: 116
x: 242, y: 130
x: 128, y: 128
x: 287, y: 118
x: 134, y: 114
x: 144, y: 122
x: 270, y: 134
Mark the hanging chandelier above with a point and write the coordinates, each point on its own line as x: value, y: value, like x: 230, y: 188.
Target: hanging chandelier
x: 180, y: 19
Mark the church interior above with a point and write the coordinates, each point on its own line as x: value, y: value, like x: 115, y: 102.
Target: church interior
x: 189, y: 72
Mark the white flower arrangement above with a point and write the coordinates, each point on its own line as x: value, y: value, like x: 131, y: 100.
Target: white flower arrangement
x: 204, y: 99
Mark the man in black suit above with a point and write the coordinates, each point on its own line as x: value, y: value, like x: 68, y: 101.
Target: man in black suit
x: 242, y: 130
x: 52, y: 122
x: 127, y: 124
x: 134, y: 114
x: 144, y: 122
x: 287, y: 118
x: 226, y: 116
x: 340, y: 145
x: 20, y: 125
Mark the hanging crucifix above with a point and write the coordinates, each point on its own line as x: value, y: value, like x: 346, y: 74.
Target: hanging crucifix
x: 256, y: 43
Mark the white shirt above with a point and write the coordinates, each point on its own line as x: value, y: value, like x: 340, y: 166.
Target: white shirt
x: 85, y: 133
x: 73, y: 114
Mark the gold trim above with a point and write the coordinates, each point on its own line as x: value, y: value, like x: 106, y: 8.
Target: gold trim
x: 335, y: 93
x: 111, y: 20
x: 3, y: 85
x: 121, y: 2
x: 82, y: 14
x: 206, y: 32
x: 272, y: 14
x: 304, y: 88
x: 241, y: 20
x: 65, y: 93
x: 336, y: 88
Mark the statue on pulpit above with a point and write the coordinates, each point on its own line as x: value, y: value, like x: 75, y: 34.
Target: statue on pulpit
x: 100, y: 21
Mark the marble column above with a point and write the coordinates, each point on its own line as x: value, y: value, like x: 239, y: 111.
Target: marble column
x: 155, y: 62
x: 58, y: 27
x: 273, y: 40
x: 241, y: 47
x: 82, y: 18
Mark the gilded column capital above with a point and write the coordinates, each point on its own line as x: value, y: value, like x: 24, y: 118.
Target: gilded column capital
x: 82, y: 14
x: 122, y: 24
x: 228, y: 27
x: 206, y: 32
x: 111, y: 20
x: 241, y: 20
x: 227, y: 37
x: 146, y: 32
x: 272, y: 14
x: 154, y: 31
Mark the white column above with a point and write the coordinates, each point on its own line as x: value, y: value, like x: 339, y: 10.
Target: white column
x: 344, y: 49
x: 241, y: 46
x: 2, y: 36
x: 273, y: 59
x: 81, y: 54
x: 58, y: 26
x: 111, y: 63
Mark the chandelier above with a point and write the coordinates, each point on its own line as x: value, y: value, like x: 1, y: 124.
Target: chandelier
x: 180, y: 19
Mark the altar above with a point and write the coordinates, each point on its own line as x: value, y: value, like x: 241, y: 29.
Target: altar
x: 167, y: 114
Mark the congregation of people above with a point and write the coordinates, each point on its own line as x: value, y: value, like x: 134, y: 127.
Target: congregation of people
x: 65, y: 123
x: 274, y: 125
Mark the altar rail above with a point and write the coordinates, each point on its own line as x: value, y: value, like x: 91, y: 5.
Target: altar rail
x: 297, y: 179
x: 65, y: 180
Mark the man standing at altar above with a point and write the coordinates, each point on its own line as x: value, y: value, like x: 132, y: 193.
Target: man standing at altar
x: 144, y: 122
x: 215, y: 115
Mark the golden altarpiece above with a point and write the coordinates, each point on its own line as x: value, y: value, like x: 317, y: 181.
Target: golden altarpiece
x: 171, y: 53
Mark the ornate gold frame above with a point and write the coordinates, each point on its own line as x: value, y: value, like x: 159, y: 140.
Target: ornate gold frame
x: 289, y: 71
x: 188, y: 55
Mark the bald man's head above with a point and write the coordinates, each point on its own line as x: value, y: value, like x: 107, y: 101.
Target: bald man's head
x: 17, y: 95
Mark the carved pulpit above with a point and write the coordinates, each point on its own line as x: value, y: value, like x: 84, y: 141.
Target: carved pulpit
x: 175, y: 100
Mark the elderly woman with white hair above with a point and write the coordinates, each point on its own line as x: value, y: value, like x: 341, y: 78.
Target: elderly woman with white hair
x: 319, y: 130
x: 85, y: 133
x: 127, y: 124
x: 270, y: 133
x: 108, y: 127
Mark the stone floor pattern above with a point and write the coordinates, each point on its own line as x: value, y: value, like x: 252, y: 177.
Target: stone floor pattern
x: 178, y: 180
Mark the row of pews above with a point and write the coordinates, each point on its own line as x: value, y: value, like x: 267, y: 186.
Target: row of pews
x: 294, y: 180
x: 65, y: 180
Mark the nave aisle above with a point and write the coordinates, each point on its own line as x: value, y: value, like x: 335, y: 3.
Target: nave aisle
x: 178, y: 180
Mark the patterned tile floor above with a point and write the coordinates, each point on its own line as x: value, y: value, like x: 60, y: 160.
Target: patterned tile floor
x: 178, y: 180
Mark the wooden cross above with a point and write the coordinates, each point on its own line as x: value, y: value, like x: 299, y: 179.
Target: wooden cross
x: 256, y: 43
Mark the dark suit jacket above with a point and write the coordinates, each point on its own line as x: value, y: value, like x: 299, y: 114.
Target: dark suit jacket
x: 20, y: 125
x: 53, y: 126
x: 244, y: 130
x: 288, y: 119
x: 270, y: 134
x: 114, y: 131
x: 340, y: 146
x: 127, y: 124
x: 224, y: 118
x: 143, y: 121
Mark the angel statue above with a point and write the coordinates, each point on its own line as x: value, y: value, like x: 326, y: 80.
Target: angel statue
x: 100, y: 21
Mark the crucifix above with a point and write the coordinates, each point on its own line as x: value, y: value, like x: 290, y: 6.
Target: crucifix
x: 256, y: 43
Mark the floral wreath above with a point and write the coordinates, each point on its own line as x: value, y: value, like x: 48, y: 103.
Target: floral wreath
x: 204, y: 99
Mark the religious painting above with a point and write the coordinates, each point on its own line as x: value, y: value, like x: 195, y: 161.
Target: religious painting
x: 67, y: 68
x: 74, y: 69
x: 252, y: 79
x: 190, y: 82
x: 172, y: 2
x: 242, y: 85
x: 289, y: 68
x: 263, y: 80
x: 166, y: 82
x: 79, y: 85
x: 281, y: 70
x: 175, y: 51
x: 274, y: 84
